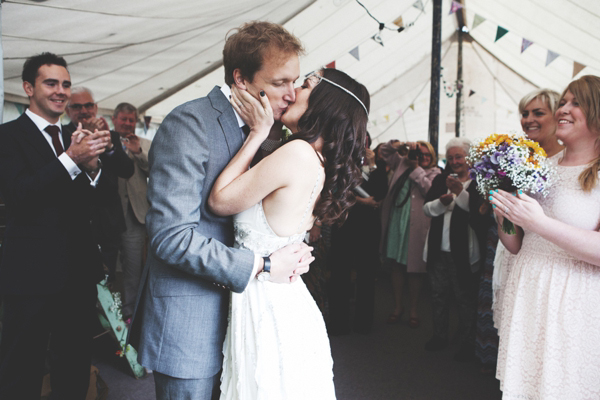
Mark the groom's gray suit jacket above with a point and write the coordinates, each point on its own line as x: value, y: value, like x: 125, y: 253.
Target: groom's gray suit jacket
x: 181, y: 315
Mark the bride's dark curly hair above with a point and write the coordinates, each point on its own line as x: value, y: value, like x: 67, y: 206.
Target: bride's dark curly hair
x: 341, y: 121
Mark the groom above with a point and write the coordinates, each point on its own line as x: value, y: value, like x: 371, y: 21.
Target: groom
x: 181, y: 315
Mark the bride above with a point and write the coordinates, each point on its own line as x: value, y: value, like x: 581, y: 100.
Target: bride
x: 276, y: 345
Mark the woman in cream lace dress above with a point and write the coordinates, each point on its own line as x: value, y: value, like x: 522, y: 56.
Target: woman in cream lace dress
x: 537, y: 111
x: 550, y: 328
x: 276, y: 346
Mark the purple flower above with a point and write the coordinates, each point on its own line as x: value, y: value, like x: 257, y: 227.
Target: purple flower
x: 502, y: 173
x: 495, y: 158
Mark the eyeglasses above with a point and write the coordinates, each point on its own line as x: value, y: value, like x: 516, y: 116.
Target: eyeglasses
x: 78, y: 107
x: 320, y: 78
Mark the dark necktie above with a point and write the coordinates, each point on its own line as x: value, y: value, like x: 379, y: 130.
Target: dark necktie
x: 54, y: 131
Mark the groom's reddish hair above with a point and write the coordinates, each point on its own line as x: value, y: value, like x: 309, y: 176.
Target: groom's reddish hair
x: 252, y: 43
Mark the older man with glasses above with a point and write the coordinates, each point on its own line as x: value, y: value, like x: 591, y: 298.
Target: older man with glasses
x: 108, y: 221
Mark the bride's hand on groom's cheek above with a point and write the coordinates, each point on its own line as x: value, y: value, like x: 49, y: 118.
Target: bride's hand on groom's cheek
x: 256, y: 113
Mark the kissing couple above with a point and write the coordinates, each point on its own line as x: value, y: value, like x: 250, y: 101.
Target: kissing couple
x: 221, y: 311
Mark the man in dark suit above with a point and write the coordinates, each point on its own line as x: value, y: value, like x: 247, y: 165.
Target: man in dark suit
x: 108, y: 221
x: 50, y: 265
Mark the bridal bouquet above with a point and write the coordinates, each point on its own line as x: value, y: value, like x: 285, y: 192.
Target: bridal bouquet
x: 509, y: 162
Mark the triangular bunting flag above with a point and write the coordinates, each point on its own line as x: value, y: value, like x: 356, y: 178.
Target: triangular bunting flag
x: 147, y: 119
x: 500, y: 32
x: 398, y: 21
x: 330, y: 65
x: 375, y: 122
x: 419, y: 5
x: 455, y: 7
x: 483, y: 100
x: 377, y: 38
x: 577, y: 67
x: 551, y: 57
x: 412, y: 106
x: 354, y: 53
x: 525, y: 44
x: 387, y: 118
x: 399, y: 112
x: 477, y: 21
x: 471, y: 93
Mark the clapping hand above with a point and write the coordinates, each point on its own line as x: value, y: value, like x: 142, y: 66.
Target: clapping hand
x: 454, y: 185
x: 447, y: 198
x: 87, y: 146
x: 132, y: 143
x: 257, y: 114
x: 92, y: 124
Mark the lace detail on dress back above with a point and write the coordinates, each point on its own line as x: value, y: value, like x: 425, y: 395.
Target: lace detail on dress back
x: 253, y: 232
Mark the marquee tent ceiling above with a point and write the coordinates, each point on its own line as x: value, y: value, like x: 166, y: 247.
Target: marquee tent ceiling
x: 158, y: 54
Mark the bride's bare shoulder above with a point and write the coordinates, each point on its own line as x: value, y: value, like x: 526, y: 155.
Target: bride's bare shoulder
x: 297, y: 150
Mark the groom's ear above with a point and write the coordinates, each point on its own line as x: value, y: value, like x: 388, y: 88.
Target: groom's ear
x: 239, y: 80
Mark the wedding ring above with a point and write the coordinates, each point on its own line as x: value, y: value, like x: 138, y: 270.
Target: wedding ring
x: 506, y: 210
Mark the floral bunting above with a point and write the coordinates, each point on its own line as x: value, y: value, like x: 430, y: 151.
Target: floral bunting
x: 577, y: 67
x: 455, y: 7
x: 477, y: 21
x: 500, y: 32
x: 551, y: 57
x: 525, y: 44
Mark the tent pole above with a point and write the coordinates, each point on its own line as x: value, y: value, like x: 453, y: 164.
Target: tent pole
x: 458, y: 82
x: 1, y: 70
x: 436, y: 52
x: 459, y: 70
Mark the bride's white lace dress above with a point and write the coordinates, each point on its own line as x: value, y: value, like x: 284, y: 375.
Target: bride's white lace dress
x: 276, y: 345
x: 550, y: 327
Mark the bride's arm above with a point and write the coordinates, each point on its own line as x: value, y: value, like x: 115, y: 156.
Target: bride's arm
x: 527, y: 213
x: 279, y: 170
x: 238, y: 187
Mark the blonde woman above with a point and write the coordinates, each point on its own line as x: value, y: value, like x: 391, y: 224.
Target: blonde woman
x: 537, y: 111
x: 550, y: 328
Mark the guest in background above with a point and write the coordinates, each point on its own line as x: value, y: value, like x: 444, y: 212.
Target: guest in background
x: 550, y: 317
x: 404, y: 226
x: 355, y: 247
x: 537, y: 111
x: 486, y: 335
x: 134, y: 203
x: 108, y: 221
x: 452, y: 250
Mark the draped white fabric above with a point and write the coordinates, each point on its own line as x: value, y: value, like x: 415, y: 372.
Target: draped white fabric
x: 158, y: 55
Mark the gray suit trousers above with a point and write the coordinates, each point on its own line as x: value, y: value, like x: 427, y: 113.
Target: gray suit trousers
x: 170, y: 388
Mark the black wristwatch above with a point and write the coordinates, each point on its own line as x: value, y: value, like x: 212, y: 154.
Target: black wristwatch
x: 265, y: 274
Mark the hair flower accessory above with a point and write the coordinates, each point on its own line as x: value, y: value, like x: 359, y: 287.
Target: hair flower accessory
x: 510, y: 162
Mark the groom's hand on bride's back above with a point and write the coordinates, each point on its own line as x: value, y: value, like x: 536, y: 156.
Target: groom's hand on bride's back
x: 290, y: 262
